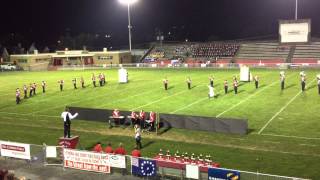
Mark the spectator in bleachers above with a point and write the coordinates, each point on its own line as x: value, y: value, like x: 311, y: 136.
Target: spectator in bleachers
x: 120, y: 150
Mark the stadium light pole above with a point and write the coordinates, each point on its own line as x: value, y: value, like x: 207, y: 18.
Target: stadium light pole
x: 296, y: 11
x: 128, y: 3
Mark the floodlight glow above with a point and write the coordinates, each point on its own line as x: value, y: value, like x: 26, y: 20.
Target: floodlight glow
x: 127, y: 1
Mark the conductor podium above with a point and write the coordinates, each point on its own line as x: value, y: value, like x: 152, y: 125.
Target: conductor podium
x: 70, y: 143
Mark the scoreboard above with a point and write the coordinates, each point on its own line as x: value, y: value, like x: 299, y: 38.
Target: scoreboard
x: 294, y: 31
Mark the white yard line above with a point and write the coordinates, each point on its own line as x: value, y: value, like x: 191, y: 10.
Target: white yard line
x: 232, y: 107
x: 189, y: 105
x: 20, y: 114
x: 295, y: 137
x: 158, y: 100
x: 283, y: 108
x: 84, y: 100
x: 128, y: 97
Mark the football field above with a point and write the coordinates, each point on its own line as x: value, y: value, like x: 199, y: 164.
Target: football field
x: 283, y: 138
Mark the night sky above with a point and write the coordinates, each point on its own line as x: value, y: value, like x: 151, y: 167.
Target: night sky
x: 45, y: 21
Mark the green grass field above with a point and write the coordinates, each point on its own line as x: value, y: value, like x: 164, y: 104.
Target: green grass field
x: 284, y: 137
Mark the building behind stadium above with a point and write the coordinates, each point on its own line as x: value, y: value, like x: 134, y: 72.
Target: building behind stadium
x: 42, y: 61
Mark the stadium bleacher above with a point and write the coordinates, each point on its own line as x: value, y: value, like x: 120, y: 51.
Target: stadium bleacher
x: 213, y: 50
x: 307, y: 53
x: 269, y: 52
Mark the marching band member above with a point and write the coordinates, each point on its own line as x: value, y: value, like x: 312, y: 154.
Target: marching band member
x: 303, y: 82
x: 116, y: 113
x: 256, y: 81
x: 103, y: 79
x: 318, y: 84
x: 18, y: 96
x: 189, y: 82
x: 134, y: 118
x: 225, y: 84
x: 211, y: 92
x: 34, y: 86
x: 93, y: 80
x: 165, y: 83
x: 152, y: 120
x: 235, y: 86
x: 142, y: 117
x: 25, y: 91
x: 211, y: 81
x: 61, y: 84
x: 43, y: 84
x: 82, y: 82
x: 282, y: 79
x: 74, y: 82
x: 100, y: 79
x: 30, y: 90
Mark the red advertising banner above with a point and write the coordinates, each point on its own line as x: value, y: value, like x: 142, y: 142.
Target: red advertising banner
x: 88, y: 161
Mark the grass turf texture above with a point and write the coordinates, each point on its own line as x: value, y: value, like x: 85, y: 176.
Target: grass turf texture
x: 288, y: 122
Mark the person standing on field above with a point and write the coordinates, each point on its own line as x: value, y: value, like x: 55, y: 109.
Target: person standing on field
x: 211, y: 81
x: 235, y: 86
x: 225, y: 84
x: 137, y: 131
x: 30, y: 90
x: 25, y: 91
x: 34, y: 86
x: 67, y: 117
x: 282, y: 80
x: 165, y: 83
x: 74, y: 82
x: 82, y: 82
x: 18, y: 96
x: 93, y: 80
x: 61, y: 84
x: 318, y: 84
x: 303, y: 82
x: 256, y: 81
x: 189, y: 82
x: 43, y: 84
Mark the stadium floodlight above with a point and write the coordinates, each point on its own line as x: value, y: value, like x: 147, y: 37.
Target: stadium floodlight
x: 128, y: 3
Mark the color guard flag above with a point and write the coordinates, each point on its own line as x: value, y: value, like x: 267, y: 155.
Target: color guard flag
x: 143, y: 167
